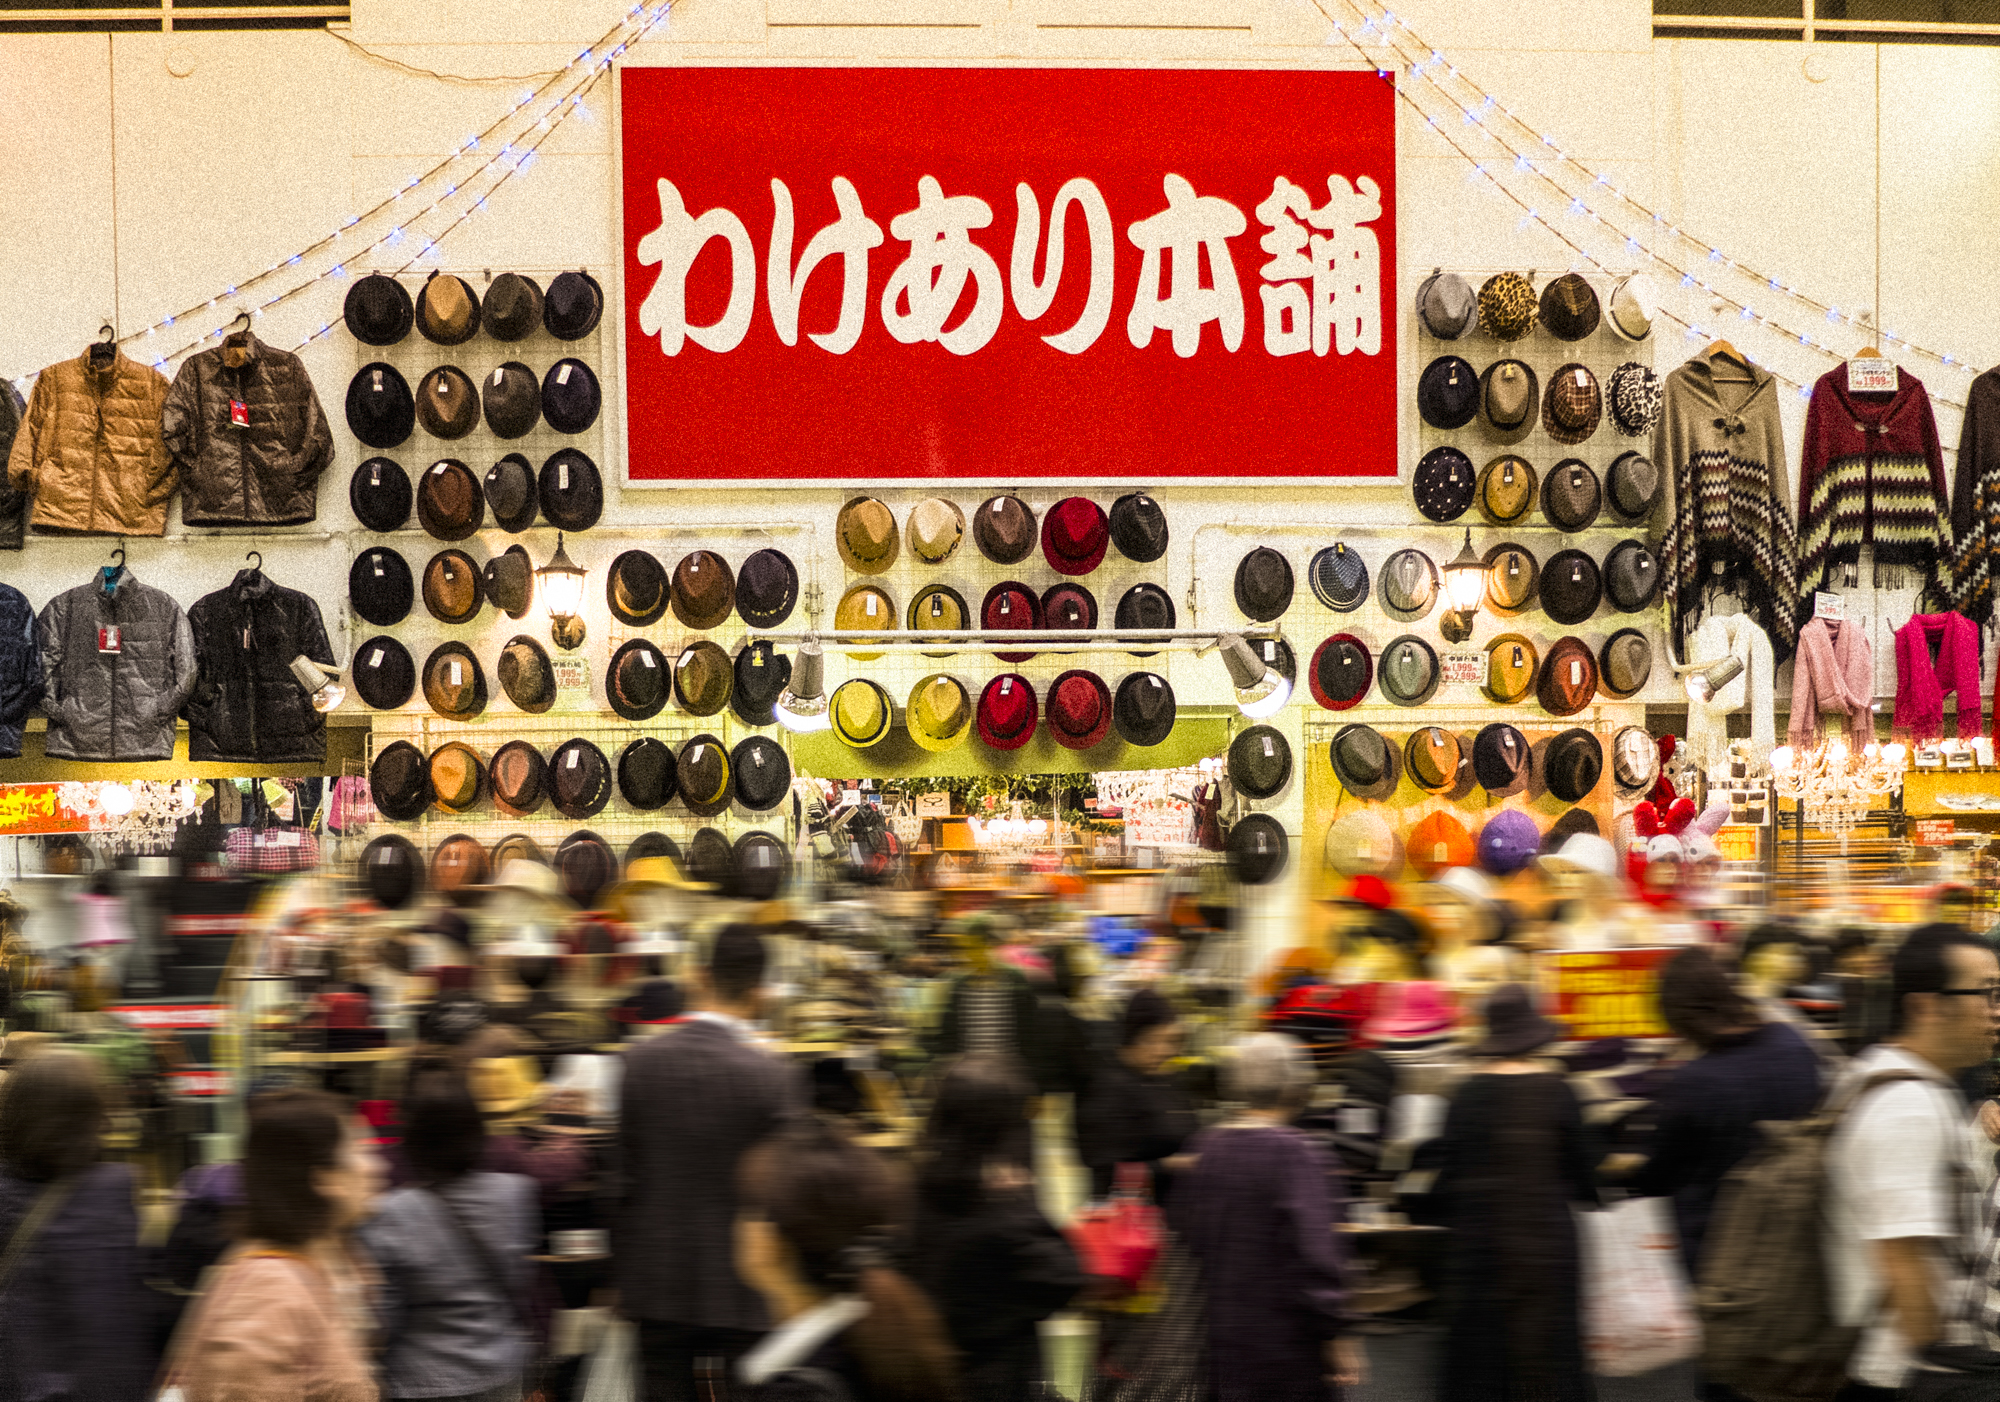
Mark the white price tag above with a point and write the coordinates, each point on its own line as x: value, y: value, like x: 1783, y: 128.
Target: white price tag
x: 375, y: 658
x: 458, y: 675
x: 1871, y: 376
x: 1831, y: 607
x: 562, y: 375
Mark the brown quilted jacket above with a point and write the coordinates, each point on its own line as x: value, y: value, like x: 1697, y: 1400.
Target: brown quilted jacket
x: 89, y: 451
x: 265, y: 473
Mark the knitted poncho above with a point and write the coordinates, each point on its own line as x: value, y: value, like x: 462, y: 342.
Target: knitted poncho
x: 1975, y: 500
x: 1721, y: 451
x: 1871, y: 473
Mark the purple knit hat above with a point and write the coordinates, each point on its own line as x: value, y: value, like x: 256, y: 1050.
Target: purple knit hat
x: 1508, y: 842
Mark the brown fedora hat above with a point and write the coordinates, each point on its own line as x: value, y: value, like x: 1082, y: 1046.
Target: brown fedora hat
x: 526, y: 674
x: 704, y: 590
x: 703, y: 678
x: 454, y: 683
x: 448, y: 403
x: 1004, y: 529
x: 458, y: 776
x: 447, y: 310
x: 519, y: 778
x: 454, y: 590
x: 450, y: 503
x: 867, y: 536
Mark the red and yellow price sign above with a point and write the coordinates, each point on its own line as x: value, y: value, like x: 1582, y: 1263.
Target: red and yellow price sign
x: 1605, y: 992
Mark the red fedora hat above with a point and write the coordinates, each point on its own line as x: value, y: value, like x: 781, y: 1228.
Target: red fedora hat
x: 1007, y: 712
x: 1010, y: 604
x: 1074, y: 534
x: 1079, y: 709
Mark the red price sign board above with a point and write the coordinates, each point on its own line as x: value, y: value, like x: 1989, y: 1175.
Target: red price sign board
x: 1936, y: 832
x: 1605, y: 992
x: 31, y: 810
x: 880, y: 275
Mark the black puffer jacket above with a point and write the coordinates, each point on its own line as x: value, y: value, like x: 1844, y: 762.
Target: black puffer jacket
x: 13, y: 504
x: 247, y: 705
x: 112, y: 694
x: 21, y: 679
x: 265, y: 473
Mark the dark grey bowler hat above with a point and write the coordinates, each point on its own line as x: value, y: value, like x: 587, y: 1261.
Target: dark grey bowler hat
x: 1631, y: 576
x: 1367, y: 765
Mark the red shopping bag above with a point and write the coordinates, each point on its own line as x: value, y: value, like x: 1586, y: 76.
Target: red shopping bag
x: 1120, y: 1238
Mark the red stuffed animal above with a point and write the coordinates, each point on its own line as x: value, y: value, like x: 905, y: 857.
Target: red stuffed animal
x: 1654, y: 863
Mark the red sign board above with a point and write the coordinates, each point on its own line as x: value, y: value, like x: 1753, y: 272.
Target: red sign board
x: 1936, y: 832
x: 28, y: 810
x: 1605, y: 992
x: 869, y: 275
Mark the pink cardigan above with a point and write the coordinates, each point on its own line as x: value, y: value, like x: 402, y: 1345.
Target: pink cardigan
x: 1833, y: 670
x: 1922, y: 685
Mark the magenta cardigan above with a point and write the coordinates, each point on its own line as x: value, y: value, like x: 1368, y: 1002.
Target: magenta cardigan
x: 1922, y: 685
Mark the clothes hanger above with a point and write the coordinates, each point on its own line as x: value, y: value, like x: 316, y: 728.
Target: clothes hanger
x: 236, y: 344
x: 108, y: 575
x: 104, y: 350
x: 1721, y: 348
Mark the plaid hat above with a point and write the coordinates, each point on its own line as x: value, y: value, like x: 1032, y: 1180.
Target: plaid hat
x: 861, y: 712
x: 379, y: 494
x: 571, y: 399
x: 1448, y: 393
x: 447, y: 403
x: 939, y: 715
x: 1432, y: 757
x: 1443, y: 484
x: 399, y: 781
x: 526, y: 675
x: 704, y: 590
x: 1079, y: 709
x: 1571, y: 587
x: 1625, y: 663
x: 1007, y: 712
x: 1339, y: 577
x: 1571, y: 495
x: 1568, y: 682
x: 1361, y: 843
x: 648, y: 777
x: 454, y: 682
x: 581, y: 778
x: 511, y: 399
x: 1501, y: 759
x: 510, y: 493
x: 1067, y: 604
x: 1407, y: 587
x: 1635, y: 761
x: 1260, y: 762
x: 1342, y: 671
x: 1446, y: 306
x: 1631, y: 576
x: 1511, y: 666
x: 392, y: 870
x: 760, y: 773
x: 1074, y: 534
x: 450, y: 504
x: 571, y: 490
x: 866, y: 533
x: 1004, y: 530
x: 703, y: 678
x: 1263, y: 585
x: 762, y: 673
x: 767, y: 588
x: 1633, y: 485
x: 1573, y: 405
x: 636, y: 588
x: 509, y: 578
x: 573, y: 305
x: 1507, y: 307
x: 1634, y: 303
x: 1409, y: 671
x: 381, y: 411
x: 378, y: 311
x: 454, y: 591
x: 512, y: 307
x: 637, y: 682
x: 1510, y: 400
x: 1512, y: 577
x: 458, y: 776
x: 1569, y: 307
x: 1143, y: 709
x: 1011, y: 604
x: 1257, y: 849
x: 935, y: 530
x: 1138, y: 528
x: 380, y: 587
x: 1506, y: 490
x: 1508, y: 842
x: 1574, y: 761
x: 1635, y: 399
x: 519, y: 778
x: 384, y: 673
x: 447, y: 310
x: 1439, y: 840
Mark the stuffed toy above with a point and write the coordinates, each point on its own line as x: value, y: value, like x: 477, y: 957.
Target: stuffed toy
x: 1667, y: 841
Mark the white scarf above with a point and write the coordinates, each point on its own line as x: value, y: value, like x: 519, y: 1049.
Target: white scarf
x: 1732, y: 635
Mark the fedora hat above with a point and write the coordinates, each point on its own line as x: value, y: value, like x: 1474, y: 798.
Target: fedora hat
x: 1363, y: 762
x: 635, y: 587
x: 1079, y: 709
x: 1507, y: 307
x: 1573, y: 763
x: 519, y: 777
x: 571, y: 399
x: 1634, y: 304
x: 1145, y: 607
x: 759, y: 867
x: 1360, y: 842
x: 1143, y: 709
x: 939, y: 715
x: 1512, y: 578
x: 865, y: 607
x: 1506, y: 490
x: 653, y: 845
x: 1571, y: 495
x: 579, y: 779
x: 1257, y: 849
x: 1512, y: 663
x: 1631, y: 576
x: 1513, y: 1027
x: 450, y: 504
x: 1443, y: 484
x: 1260, y: 762
x: 399, y: 781
x: 760, y: 772
x: 1448, y: 393
x: 938, y: 608
x: 571, y: 491
x: 379, y: 494
x: 381, y: 411
x: 378, y: 311
x: 526, y: 675
x: 935, y: 530
x: 703, y: 678
x: 512, y: 307
x: 1004, y: 530
x: 1573, y: 405
x: 1633, y: 400
x: 1138, y: 528
x: 1446, y: 306
x: 1625, y: 664
x: 521, y: 848
x: 704, y: 774
x: 711, y: 860
x: 1409, y: 671
x: 447, y: 310
x: 1635, y: 761
x: 586, y: 865
x: 703, y: 590
x: 1339, y: 577
x: 510, y: 494
x: 1007, y: 712
x: 511, y: 399
x: 454, y: 682
x: 1501, y: 758
x: 866, y: 533
x: 1569, y: 307
x: 1074, y: 534
x: 447, y: 403
x: 510, y: 582
x: 862, y: 713
x: 1508, y: 842
x: 1341, y: 673
x: 458, y: 776
x: 1568, y: 681
x: 1572, y: 587
x: 762, y: 673
x: 1407, y: 586
x: 571, y: 309
x: 1438, y: 841
x: 767, y: 588
x: 1011, y: 605
x: 1067, y: 604
x: 648, y: 775
x: 1432, y: 757
x: 458, y: 865
x: 637, y: 682
x: 1263, y: 585
x: 1634, y: 485
x: 380, y: 587
x: 384, y: 673
x: 392, y: 870
x: 1510, y: 400
x: 454, y: 590
x: 1574, y: 822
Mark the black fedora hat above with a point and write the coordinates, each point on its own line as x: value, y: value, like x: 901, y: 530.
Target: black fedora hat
x: 399, y: 781
x: 510, y: 493
x: 392, y: 870
x: 760, y: 772
x: 450, y: 503
x: 580, y: 777
x: 1501, y: 758
x: 1573, y: 763
x: 381, y: 411
x: 1364, y: 763
x: 526, y: 674
x: 1443, y: 484
x: 1260, y: 762
x: 1147, y: 607
x: 379, y: 494
x: 1408, y: 670
x: 1571, y: 587
x: 1341, y: 672
x: 510, y: 581
x: 1257, y: 849
x: 447, y: 310
x: 511, y: 399
x: 1631, y: 576
x: 703, y: 766
x: 378, y: 311
x: 1066, y: 604
x: 454, y: 682
x: 636, y: 588
x: 1513, y: 1027
x: 762, y: 673
x: 652, y: 844
x: 586, y: 865
x: 646, y: 774
x: 1139, y: 528
x: 454, y: 587
x: 1004, y: 529
x: 572, y: 306
x: 638, y: 680
x: 1143, y: 710
x: 1571, y: 495
x: 1339, y: 577
x: 1263, y: 585
x: 1448, y: 393
x: 711, y: 861
x: 572, y: 493
x: 384, y: 673
x: 758, y: 867
x: 380, y: 586
x: 512, y: 307
x: 519, y: 778
x: 767, y: 588
x: 571, y: 399
x: 447, y: 403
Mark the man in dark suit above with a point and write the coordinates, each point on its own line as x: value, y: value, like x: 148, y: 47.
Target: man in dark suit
x: 696, y: 1098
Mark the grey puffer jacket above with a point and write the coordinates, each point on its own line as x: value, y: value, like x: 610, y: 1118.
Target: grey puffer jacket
x: 265, y: 472
x: 120, y: 665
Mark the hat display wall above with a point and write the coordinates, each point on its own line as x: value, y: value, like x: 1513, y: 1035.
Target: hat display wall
x: 526, y: 675
x: 447, y: 403
x: 939, y: 715
x: 1512, y: 664
x: 1407, y: 586
x: 637, y: 681
x: 760, y: 773
x: 1507, y: 307
x: 1501, y: 759
x: 1631, y: 576
x: 454, y: 683
x: 1568, y: 681
x: 1004, y: 530
x: 510, y: 493
x: 1339, y: 577
x: 519, y: 778
x: 1257, y: 849
x: 1510, y: 400
x: 1439, y: 840
x: 511, y: 399
x: 1572, y: 495
x: 450, y: 503
x: 1138, y: 528
x: 454, y: 589
x: 571, y: 399
x: 1448, y: 393
x: 762, y: 673
x: 866, y: 534
x: 1361, y: 843
x: 861, y: 713
x: 1079, y: 709
x: 580, y: 779
x: 447, y: 310
x: 1260, y: 762
x: 1408, y: 671
x: 458, y: 776
x: 934, y: 531
x: 509, y: 578
x: 635, y: 588
x: 1341, y: 673
x: 1074, y: 535
x: 704, y: 591
x: 1506, y: 490
x: 572, y: 307
x: 512, y: 307
x: 1443, y: 484
x: 1634, y: 304
x: 384, y: 673
x: 381, y: 411
x: 399, y: 781
x: 1012, y: 605
x: 1574, y: 761
x: 1446, y: 306
x: 1634, y: 399
x: 1143, y: 709
x: 380, y: 587
x: 378, y: 311
x: 1572, y: 587
x: 1433, y: 757
x: 703, y: 678
x: 1364, y: 763
x: 380, y: 495
x: 1513, y: 579
x: 1569, y: 307
x: 1007, y: 713
x: 1263, y: 585
x: 571, y: 490
x: 1635, y: 761
x: 392, y: 870
x: 1625, y: 664
x: 1573, y: 406
x: 767, y: 588
x: 1633, y: 486
x: 648, y: 774
x: 1145, y: 608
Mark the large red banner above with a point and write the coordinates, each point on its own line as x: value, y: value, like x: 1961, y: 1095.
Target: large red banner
x: 874, y: 275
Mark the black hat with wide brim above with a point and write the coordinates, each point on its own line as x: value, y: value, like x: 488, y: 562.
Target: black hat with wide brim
x: 1366, y: 765
x: 1260, y: 762
x: 380, y: 586
x: 572, y: 491
x: 767, y: 588
x: 1138, y: 528
x: 392, y: 870
x: 1571, y: 587
x: 760, y: 773
x: 638, y: 681
x: 399, y: 781
x: 380, y: 494
x: 571, y: 399
x: 1257, y: 849
x: 1573, y: 764
x: 635, y: 587
x: 381, y: 411
x: 572, y: 306
x: 384, y: 673
x: 1501, y: 758
x: 580, y: 777
x: 510, y: 493
x: 704, y: 776
x: 1264, y: 585
x: 511, y: 399
x: 378, y: 310
x: 759, y: 867
x: 1143, y: 709
x: 647, y: 775
x: 762, y: 673
x: 512, y: 307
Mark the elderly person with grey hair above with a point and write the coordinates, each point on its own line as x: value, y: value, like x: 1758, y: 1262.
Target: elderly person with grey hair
x: 1258, y: 1212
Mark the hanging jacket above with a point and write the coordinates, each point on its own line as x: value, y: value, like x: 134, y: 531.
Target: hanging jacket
x: 1833, y: 670
x: 21, y: 681
x: 1922, y: 685
x: 89, y: 450
x: 246, y: 703
x: 264, y: 472
x: 1975, y: 499
x: 1732, y: 635
x: 119, y: 665
x: 1871, y: 473
x: 13, y: 504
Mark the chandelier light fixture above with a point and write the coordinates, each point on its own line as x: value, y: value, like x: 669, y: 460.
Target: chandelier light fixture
x: 1835, y: 787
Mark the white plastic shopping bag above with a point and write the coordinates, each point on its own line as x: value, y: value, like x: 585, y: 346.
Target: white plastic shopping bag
x: 1638, y: 1312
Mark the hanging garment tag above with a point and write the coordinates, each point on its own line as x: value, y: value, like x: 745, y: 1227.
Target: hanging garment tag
x: 647, y: 658
x: 1513, y: 566
x: 573, y: 754
x: 756, y: 657
x: 999, y: 505
x: 1582, y: 378
x: 378, y: 566
x: 1507, y: 474
x: 1156, y: 683
x: 1006, y: 603
x: 757, y: 758
x: 110, y: 638
x: 1871, y: 376
x: 239, y: 413
x: 562, y: 475
x: 375, y: 475
x: 1831, y: 607
x: 378, y: 382
x: 438, y: 469
x: 1520, y: 660
x: 1269, y: 753
x: 1576, y: 674
x: 500, y: 375
x: 937, y: 606
x: 1007, y: 687
x: 1576, y: 478
x: 1508, y: 741
x: 1270, y: 650
x: 375, y: 657
x: 871, y: 605
x: 562, y: 375
x: 1576, y: 574
x: 457, y: 672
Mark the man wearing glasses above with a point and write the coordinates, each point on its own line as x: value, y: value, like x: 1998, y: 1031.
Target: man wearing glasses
x: 1908, y: 1171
